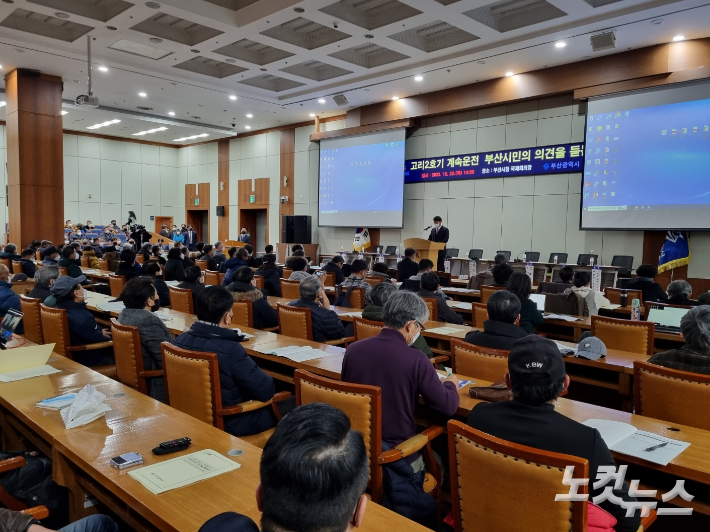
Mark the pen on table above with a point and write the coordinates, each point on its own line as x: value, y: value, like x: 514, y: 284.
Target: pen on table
x: 653, y: 448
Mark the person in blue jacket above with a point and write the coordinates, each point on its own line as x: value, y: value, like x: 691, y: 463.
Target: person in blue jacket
x: 241, y: 379
x: 8, y: 298
x: 237, y: 259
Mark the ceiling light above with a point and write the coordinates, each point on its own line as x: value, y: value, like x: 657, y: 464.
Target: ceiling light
x: 678, y: 38
x: 395, y: 98
x: 418, y: 78
x: 193, y: 137
x: 312, y: 115
x: 509, y: 74
x: 149, y: 131
x: 65, y: 113
x: 560, y: 44
x: 320, y: 100
x: 142, y: 94
x: 103, y: 124
x: 232, y: 97
x: 103, y: 69
x: 171, y: 113
x: 247, y: 127
x: 0, y: 66
x: 3, y: 104
x: 250, y: 115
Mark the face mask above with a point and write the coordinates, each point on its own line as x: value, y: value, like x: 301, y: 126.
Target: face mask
x: 85, y: 295
x: 414, y: 338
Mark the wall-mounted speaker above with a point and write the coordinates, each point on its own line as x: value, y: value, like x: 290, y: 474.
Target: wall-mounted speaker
x: 220, y: 210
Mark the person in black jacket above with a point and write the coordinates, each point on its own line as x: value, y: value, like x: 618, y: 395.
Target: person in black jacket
x: 244, y: 288
x: 10, y: 252
x: 28, y: 262
x: 429, y: 287
x: 326, y: 323
x: 158, y: 255
x: 155, y: 272
x: 407, y: 266
x: 237, y: 260
x: 241, y: 379
x: 500, y: 330
x: 208, y: 255
x: 193, y: 281
x: 520, y: 285
x: 335, y: 265
x: 126, y: 266
x: 536, y: 376
x: 650, y: 290
x: 174, y: 267
x: 679, y: 292
x: 439, y: 233
x: 272, y: 275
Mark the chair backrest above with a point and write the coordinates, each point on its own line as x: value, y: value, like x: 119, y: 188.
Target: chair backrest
x: 287, y: 273
x: 63, y: 271
x: 243, y: 313
x: 361, y: 403
x: 192, y: 383
x: 572, y: 304
x: 211, y: 278
x: 624, y: 335
x: 513, y: 473
x: 480, y: 362
x: 103, y: 265
x: 479, y: 314
x: 561, y: 258
x: 506, y: 253
x: 55, y: 329
x: 432, y: 306
x: 373, y: 281
x: 444, y: 279
x: 259, y: 281
x: 672, y: 395
x: 295, y: 322
x: 531, y: 256
x: 84, y: 261
x: 584, y: 259
x: 129, y: 355
x: 32, y: 319
x: 38, y: 255
x: 6, y: 262
x: 614, y: 295
x: 140, y: 258
x: 329, y: 279
x: 16, y: 267
x: 452, y: 252
x: 366, y: 328
x: 289, y: 289
x: 181, y: 299
x: 487, y: 290
x: 202, y: 264
x: 474, y: 254
x: 625, y: 264
x: 116, y: 284
x: 356, y: 299
x: 552, y: 288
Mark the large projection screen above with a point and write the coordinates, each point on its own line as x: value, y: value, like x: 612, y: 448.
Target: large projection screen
x: 648, y: 160
x: 361, y: 181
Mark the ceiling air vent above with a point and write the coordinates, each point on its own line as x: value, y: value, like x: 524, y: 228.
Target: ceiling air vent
x: 340, y: 99
x: 603, y: 41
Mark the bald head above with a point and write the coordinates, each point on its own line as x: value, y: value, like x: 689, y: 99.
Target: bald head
x: 4, y: 272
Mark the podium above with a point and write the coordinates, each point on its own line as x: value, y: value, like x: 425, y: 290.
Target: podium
x: 426, y: 249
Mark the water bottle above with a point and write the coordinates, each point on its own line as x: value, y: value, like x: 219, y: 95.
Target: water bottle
x: 554, y: 259
x: 623, y: 298
x: 360, y: 255
x: 399, y: 257
x: 636, y: 310
x: 591, y: 261
x: 525, y: 257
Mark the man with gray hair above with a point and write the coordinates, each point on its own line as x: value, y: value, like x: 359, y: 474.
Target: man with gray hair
x: 325, y: 322
x: 44, y: 279
x: 679, y: 292
x: 694, y: 356
x: 401, y: 371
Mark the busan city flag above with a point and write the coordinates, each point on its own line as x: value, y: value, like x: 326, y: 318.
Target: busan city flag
x: 675, y: 251
x: 362, y: 239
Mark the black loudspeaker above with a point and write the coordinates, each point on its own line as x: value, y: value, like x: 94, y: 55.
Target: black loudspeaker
x: 302, y: 229
x: 287, y: 229
x: 220, y: 210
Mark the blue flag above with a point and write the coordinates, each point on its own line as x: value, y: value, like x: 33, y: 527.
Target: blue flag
x: 675, y: 251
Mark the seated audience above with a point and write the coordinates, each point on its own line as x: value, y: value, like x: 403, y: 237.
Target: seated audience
x: 174, y: 267
x: 126, y: 266
x: 154, y: 272
x: 10, y: 252
x: 242, y: 380
x: 408, y: 266
x: 111, y: 256
x: 98, y: 247
x: 358, y: 270
x: 194, y: 281
x: 325, y: 323
x: 272, y: 275
x: 566, y: 274
x: 44, y: 245
x: 501, y: 274
x: 68, y: 261
x: 381, y: 270
x: 485, y: 278
x: 520, y: 285
x: 251, y: 261
x: 595, y: 300
x: 28, y: 262
x: 83, y: 328
x: 314, y: 471
x: 50, y: 256
x: 241, y: 258
x: 8, y: 298
x: 185, y: 256
x: 403, y: 373
x: 694, y: 356
x: 44, y: 279
x: 413, y: 284
x: 429, y: 289
x: 373, y: 312
x: 208, y: 255
x: 244, y: 287
x: 157, y: 252
x: 650, y: 290
x: 146, y: 252
x: 89, y: 252
x: 500, y: 330
x: 300, y: 269
x: 679, y: 292
x: 536, y: 376
x: 17, y: 521
x: 219, y: 255
x: 139, y: 296
x: 335, y: 266
x: 295, y: 253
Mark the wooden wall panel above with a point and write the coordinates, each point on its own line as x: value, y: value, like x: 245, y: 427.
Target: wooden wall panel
x: 260, y: 189
x: 223, y: 189
x: 202, y: 192
x: 288, y: 150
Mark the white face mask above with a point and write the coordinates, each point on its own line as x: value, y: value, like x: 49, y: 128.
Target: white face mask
x: 84, y: 294
x: 414, y: 338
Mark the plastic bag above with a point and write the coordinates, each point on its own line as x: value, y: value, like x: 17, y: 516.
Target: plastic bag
x: 88, y: 406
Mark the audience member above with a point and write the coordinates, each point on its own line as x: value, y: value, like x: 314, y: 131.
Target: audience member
x: 28, y: 262
x: 126, y: 266
x: 501, y: 274
x: 199, y: 248
x: 358, y: 270
x: 595, y: 300
x: 241, y: 256
x: 185, y: 255
x: 146, y: 252
x: 10, y: 252
x: 300, y: 269
x: 694, y: 356
x: 111, y: 256
x: 325, y: 323
x: 44, y: 245
x: 650, y: 290
x: 500, y: 330
x: 174, y: 267
x: 408, y: 266
x: 158, y: 256
x: 154, y: 272
x: 241, y: 379
x: 566, y: 274
x: 89, y: 252
x: 536, y: 376
x: 485, y: 278
x: 413, y: 284
x: 208, y: 255
x: 139, y: 296
x: 164, y: 231
x: 243, y: 288
x: 520, y: 285
x: 83, y: 329
x: 219, y: 255
x: 335, y: 266
x: 295, y: 253
x: 381, y: 270
x: 17, y: 521
x: 251, y: 262
x: 50, y: 256
x: 679, y: 293
x: 8, y: 298
x: 44, y: 279
x: 268, y: 249
x: 193, y: 281
x: 35, y: 245
x: 429, y: 289
x: 68, y: 261
x: 272, y: 275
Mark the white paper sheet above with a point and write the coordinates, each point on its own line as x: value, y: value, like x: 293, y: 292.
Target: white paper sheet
x: 460, y: 304
x: 444, y: 330
x: 114, y: 306
x: 22, y: 374
x: 563, y: 317
x: 612, y: 432
x: 296, y: 353
x: 172, y: 283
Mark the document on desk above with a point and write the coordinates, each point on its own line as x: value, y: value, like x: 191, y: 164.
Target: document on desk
x: 353, y: 314
x: 183, y: 471
x: 111, y: 306
x: 611, y: 306
x: 461, y: 304
x: 461, y: 382
x: 444, y: 330
x: 26, y: 362
x: 563, y: 317
x: 172, y: 283
x: 626, y: 439
x: 297, y: 353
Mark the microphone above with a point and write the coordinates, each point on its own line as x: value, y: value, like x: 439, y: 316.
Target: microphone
x: 517, y: 259
x: 427, y: 228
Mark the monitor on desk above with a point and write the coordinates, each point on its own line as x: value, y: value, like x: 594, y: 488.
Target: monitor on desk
x: 390, y: 250
x: 667, y: 316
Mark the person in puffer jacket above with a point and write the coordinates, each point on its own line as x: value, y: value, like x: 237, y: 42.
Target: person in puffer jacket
x: 326, y: 323
x: 243, y: 287
x: 272, y: 275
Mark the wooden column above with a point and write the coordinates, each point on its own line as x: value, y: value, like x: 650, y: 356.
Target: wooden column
x: 35, y: 157
x: 223, y: 189
x: 288, y: 154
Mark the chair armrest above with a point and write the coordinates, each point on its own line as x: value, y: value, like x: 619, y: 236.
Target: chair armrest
x: 151, y: 373
x: 90, y: 347
x: 12, y: 463
x: 246, y: 406
x: 281, y: 396
x: 339, y: 341
x: 271, y: 329
x: 647, y: 521
x: 410, y: 446
x: 438, y: 359
x: 38, y: 512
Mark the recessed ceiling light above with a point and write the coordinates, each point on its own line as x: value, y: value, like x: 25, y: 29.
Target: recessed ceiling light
x: 112, y: 28
x: 560, y: 44
x: 142, y: 94
x: 369, y: 36
x: 395, y: 98
x: 61, y: 15
x: 250, y: 115
x: 193, y: 137
x: 247, y: 127
x: 320, y: 100
x: 103, y: 69
x: 152, y: 5
x: 509, y: 74
x: 156, y: 40
x: 104, y: 124
x: 657, y: 21
x: 232, y: 97
x: 418, y: 78
x: 65, y: 113
x: 678, y: 38
x: 171, y: 113
x: 149, y: 131
x: 3, y: 104
x: 312, y: 115
x: 298, y: 9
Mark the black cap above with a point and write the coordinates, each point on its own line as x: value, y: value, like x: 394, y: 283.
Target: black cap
x: 48, y: 252
x: 536, y: 360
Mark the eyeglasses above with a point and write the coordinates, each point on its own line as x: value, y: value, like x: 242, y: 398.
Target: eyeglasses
x: 418, y: 324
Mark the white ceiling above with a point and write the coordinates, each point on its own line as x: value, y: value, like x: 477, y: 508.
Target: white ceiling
x: 191, y: 95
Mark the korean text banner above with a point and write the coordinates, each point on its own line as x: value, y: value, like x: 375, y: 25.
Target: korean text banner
x: 560, y: 158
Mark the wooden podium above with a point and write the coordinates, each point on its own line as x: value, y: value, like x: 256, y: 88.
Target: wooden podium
x: 426, y: 249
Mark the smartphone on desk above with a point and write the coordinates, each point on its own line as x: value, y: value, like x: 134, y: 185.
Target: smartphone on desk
x: 126, y: 460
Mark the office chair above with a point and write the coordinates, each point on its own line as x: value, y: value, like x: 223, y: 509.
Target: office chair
x: 452, y: 252
x: 625, y: 263
x: 561, y: 258
x: 475, y: 254
x: 506, y: 253
x: 531, y: 256
x: 584, y: 258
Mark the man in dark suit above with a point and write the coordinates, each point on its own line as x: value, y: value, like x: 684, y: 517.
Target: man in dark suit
x: 439, y: 233
x: 164, y: 231
x: 244, y: 236
x: 190, y: 239
x: 407, y: 266
x: 536, y: 376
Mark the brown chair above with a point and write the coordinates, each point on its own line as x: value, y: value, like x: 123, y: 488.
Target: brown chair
x: 140, y: 258
x: 479, y: 314
x: 243, y: 313
x: 373, y: 281
x: 16, y: 267
x: 211, y: 278
x: 192, y: 386
x: 221, y: 278
x: 129, y: 357
x: 202, y: 264
x: 103, y: 265
x: 482, y: 363
x: 32, y: 319
x: 296, y: 322
x: 356, y: 299
x: 329, y: 279
x: 366, y: 328
x: 6, y: 262
x: 116, y: 284
x: 614, y: 295
x: 181, y: 299
x: 363, y: 405
x: 289, y: 289
x: 624, y: 335
x: 55, y: 328
x: 286, y: 273
x: 84, y: 261
x: 672, y: 395
x: 259, y: 280
x: 486, y: 292
x: 63, y: 271
x: 433, y: 307
x: 8, y: 500
x: 38, y: 255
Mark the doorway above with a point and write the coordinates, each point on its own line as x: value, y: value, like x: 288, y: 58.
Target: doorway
x: 199, y: 220
x: 161, y: 221
x: 256, y: 222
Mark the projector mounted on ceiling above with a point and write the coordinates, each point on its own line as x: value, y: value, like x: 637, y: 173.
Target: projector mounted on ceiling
x: 88, y: 101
